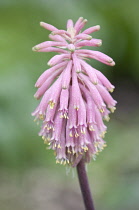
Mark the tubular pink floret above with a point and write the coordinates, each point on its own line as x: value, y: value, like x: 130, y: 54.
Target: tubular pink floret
x: 48, y: 73
x: 57, y: 38
x: 69, y: 24
x: 104, y: 81
x: 52, y: 49
x: 48, y: 26
x: 97, y: 56
x: 89, y: 71
x: 75, y: 96
x: 47, y: 84
x: 57, y: 59
x: 48, y: 44
x: 77, y: 65
x: 83, y: 36
x: 91, y: 29
x: 66, y: 77
x: 91, y: 43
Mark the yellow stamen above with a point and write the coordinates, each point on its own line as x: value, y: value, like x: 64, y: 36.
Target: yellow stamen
x: 112, y: 109
x: 41, y: 116
x: 71, y: 134
x: 59, y: 146
x: 52, y: 104
x: 101, y: 110
x: 57, y: 161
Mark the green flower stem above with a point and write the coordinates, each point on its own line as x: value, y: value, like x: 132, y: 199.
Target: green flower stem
x: 84, y: 185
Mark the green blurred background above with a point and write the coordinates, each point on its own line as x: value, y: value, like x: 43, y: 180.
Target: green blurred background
x: 29, y: 177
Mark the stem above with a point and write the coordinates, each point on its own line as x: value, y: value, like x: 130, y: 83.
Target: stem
x: 84, y: 185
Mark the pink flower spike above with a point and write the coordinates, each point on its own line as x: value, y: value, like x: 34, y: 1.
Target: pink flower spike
x: 91, y: 29
x: 48, y: 26
x: 75, y: 97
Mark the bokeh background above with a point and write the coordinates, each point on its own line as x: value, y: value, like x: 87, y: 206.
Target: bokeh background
x: 29, y: 177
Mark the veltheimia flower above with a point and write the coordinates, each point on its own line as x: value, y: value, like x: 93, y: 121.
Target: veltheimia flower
x: 75, y: 97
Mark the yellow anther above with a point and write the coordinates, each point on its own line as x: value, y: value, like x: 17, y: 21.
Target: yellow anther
x: 107, y: 118
x: 41, y: 116
x: 69, y: 151
x: 83, y: 131
x: 57, y: 161
x: 70, y: 134
x: 111, y: 90
x: 112, y: 109
x: 76, y: 107
x: 52, y: 104
x: 96, y: 144
x: 73, y: 151
x: 48, y: 139
x: 45, y: 141
x: 101, y: 110
x: 65, y: 116
x: 91, y: 128
x: 103, y: 134
x: 55, y: 145
x: 76, y: 135
x: 105, y: 145
x: 59, y: 146
x: 64, y: 162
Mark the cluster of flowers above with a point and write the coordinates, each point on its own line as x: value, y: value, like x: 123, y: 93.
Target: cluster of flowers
x: 75, y: 96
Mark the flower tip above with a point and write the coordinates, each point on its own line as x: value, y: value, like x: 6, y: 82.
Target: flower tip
x: 41, y: 23
x: 89, y: 37
x: 37, y: 85
x: 85, y: 20
x: 81, y: 18
x: 112, y: 63
x: 33, y: 48
x: 99, y: 43
x: 36, y: 96
x: 98, y: 27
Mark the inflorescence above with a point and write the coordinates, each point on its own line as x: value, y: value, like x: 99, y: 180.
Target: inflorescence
x: 75, y: 96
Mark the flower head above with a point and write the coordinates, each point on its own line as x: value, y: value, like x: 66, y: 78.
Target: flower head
x: 75, y: 97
